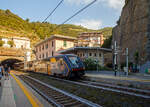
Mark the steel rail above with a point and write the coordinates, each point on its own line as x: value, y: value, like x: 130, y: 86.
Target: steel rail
x: 84, y: 101
x: 121, y: 87
x: 104, y: 88
x: 45, y: 96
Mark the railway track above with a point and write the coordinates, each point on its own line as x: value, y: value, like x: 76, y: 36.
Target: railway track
x: 56, y: 96
x: 132, y: 90
x: 109, y: 87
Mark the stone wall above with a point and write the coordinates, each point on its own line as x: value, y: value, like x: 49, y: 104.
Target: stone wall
x: 3, y: 58
x: 11, y: 53
x: 148, y: 33
x: 133, y: 30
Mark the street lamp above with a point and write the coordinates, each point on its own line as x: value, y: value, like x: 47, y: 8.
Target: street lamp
x: 97, y: 59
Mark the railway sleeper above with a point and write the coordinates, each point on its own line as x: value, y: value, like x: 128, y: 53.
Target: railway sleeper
x: 66, y: 101
x: 52, y: 91
x: 66, y: 98
x: 49, y: 92
x: 70, y: 104
x: 59, y: 97
x: 55, y: 94
x: 81, y: 105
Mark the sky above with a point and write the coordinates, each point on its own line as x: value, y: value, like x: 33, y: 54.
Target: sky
x: 103, y: 13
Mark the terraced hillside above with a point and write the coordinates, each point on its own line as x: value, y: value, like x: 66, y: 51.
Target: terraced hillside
x: 13, y: 25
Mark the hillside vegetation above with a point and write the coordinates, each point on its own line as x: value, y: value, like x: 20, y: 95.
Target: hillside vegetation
x: 13, y: 25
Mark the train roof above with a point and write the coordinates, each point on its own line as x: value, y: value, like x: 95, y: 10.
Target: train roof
x: 48, y: 58
x: 63, y: 55
x: 59, y: 56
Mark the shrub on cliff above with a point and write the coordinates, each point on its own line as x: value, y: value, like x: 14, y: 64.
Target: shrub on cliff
x: 11, y: 43
x: 1, y: 43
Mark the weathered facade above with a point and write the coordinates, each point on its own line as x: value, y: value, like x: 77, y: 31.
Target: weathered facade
x: 133, y: 30
x: 102, y: 55
x: 90, y: 39
x: 51, y: 45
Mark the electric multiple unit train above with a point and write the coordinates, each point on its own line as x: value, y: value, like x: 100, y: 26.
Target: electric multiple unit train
x: 67, y: 66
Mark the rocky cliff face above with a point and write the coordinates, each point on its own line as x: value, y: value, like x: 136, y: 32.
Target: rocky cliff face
x: 133, y: 30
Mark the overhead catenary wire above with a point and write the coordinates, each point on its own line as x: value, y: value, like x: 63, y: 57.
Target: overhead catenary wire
x: 79, y: 11
x: 53, y: 10
x: 75, y: 14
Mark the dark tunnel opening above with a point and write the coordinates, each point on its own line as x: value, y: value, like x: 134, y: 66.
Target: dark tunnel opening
x: 10, y: 62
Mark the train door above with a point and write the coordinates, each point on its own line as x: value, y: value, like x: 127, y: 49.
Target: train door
x: 58, y: 66
x: 48, y: 69
x: 63, y: 67
x: 53, y: 65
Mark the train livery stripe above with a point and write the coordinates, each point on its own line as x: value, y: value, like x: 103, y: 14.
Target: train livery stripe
x: 67, y: 67
x: 33, y: 100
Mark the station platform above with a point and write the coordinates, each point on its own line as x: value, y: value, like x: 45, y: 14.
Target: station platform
x: 15, y: 93
x: 136, y: 79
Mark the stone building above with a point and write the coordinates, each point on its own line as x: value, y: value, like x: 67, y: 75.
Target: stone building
x: 90, y: 39
x: 51, y: 45
x: 133, y: 32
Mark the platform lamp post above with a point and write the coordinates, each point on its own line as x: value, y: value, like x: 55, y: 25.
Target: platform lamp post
x: 126, y: 53
x: 97, y: 59
x: 115, y: 52
x: 97, y: 52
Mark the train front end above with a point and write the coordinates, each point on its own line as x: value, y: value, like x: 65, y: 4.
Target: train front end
x: 77, y: 67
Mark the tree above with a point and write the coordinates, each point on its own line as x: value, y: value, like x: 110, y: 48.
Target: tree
x: 1, y: 43
x: 27, y: 20
x: 107, y: 43
x: 11, y: 43
x: 90, y: 64
x: 8, y: 11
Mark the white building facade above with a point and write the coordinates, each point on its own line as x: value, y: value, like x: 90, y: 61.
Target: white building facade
x: 18, y: 43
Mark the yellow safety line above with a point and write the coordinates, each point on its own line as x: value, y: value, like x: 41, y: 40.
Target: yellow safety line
x: 33, y: 100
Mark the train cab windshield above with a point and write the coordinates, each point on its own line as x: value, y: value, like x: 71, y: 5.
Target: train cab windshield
x: 74, y: 60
